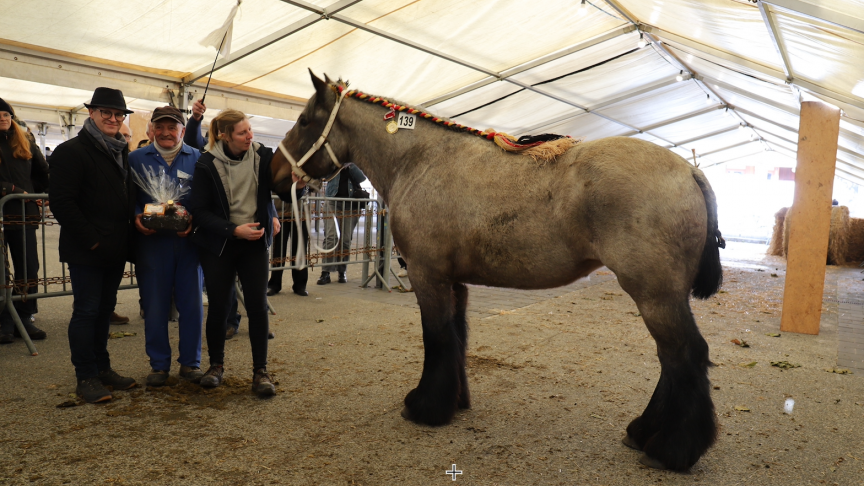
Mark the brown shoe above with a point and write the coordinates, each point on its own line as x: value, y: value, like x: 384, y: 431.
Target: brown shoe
x: 118, y: 319
x: 261, y: 383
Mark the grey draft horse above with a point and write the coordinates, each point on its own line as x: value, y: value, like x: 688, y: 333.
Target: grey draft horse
x: 463, y: 211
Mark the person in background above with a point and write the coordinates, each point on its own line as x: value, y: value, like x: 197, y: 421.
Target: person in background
x: 93, y: 199
x: 343, y: 185
x: 23, y: 170
x: 289, y: 232
x: 126, y: 132
x: 168, y: 262
x: 234, y: 225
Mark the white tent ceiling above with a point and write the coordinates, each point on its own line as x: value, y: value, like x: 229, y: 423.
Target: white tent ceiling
x: 557, y: 66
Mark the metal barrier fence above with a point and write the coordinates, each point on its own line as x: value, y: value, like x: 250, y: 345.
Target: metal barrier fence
x: 371, y: 241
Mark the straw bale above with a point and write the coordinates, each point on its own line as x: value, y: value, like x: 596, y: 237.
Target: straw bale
x: 855, y: 240
x: 838, y: 236
x: 776, y: 245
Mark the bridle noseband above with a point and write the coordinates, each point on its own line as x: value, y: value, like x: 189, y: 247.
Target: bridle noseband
x: 322, y: 140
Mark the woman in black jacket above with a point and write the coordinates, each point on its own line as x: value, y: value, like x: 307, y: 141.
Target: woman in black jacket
x: 233, y: 222
x: 23, y: 170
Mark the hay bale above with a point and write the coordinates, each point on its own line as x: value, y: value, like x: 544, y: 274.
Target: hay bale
x: 838, y: 236
x: 855, y: 240
x: 786, y: 226
x: 776, y: 245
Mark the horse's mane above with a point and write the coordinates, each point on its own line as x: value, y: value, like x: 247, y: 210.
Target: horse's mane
x: 544, y: 147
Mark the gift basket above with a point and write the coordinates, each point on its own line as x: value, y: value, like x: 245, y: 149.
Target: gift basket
x: 165, y: 213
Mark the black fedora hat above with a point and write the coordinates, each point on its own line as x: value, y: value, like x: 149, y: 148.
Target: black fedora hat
x: 108, y: 98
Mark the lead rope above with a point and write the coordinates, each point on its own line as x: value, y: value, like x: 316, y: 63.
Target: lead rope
x: 301, y: 244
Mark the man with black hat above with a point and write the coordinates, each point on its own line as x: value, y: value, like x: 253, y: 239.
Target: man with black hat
x: 167, y: 262
x: 93, y: 199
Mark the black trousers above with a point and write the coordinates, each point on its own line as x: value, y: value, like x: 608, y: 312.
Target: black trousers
x: 280, y: 247
x: 248, y: 260
x: 17, y: 240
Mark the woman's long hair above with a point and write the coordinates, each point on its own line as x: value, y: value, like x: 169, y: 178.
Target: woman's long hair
x: 19, y: 142
x: 222, y: 126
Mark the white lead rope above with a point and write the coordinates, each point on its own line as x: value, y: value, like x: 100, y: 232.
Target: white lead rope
x: 301, y: 244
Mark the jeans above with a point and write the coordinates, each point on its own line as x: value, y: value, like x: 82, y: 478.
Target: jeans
x: 94, y: 290
x: 17, y: 241
x: 249, y: 261
x: 346, y: 227
x: 168, y: 266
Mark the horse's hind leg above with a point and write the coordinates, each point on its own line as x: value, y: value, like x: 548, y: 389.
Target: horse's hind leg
x: 439, y: 393
x: 460, y: 326
x: 679, y: 424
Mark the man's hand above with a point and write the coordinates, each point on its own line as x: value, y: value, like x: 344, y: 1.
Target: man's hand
x: 248, y: 231
x: 277, y: 226
x: 140, y: 227
x: 198, y: 110
x: 185, y: 233
x: 300, y: 182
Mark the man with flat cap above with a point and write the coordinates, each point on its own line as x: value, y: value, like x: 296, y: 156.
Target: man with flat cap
x: 93, y: 199
x: 167, y: 263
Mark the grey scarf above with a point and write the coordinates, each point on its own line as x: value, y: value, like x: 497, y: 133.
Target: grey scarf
x: 240, y: 180
x: 112, y: 146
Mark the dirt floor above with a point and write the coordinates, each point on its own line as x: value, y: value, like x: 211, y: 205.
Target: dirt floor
x: 554, y: 385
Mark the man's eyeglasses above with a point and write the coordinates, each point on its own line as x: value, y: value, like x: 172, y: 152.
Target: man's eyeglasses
x: 106, y: 115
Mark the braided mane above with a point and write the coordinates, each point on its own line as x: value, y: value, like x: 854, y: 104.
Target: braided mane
x: 543, y: 147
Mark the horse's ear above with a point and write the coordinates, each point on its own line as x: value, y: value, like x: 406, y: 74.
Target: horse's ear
x: 320, y: 86
x: 327, y: 79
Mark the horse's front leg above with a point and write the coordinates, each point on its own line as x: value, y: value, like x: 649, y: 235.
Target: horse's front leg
x: 440, y: 391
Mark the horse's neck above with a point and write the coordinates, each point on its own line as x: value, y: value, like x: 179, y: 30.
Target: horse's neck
x: 383, y: 157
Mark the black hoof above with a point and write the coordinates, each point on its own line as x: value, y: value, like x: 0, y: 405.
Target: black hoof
x: 652, y: 463
x: 629, y: 442
x: 406, y: 414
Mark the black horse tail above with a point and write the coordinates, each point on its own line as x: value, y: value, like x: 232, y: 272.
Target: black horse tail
x: 710, y: 276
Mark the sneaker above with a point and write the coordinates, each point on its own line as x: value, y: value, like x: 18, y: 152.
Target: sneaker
x: 157, y: 378
x: 403, y: 273
x: 343, y: 278
x: 230, y: 332
x: 191, y: 373
x: 213, y: 377
x: 118, y: 319
x: 92, y: 391
x: 261, y: 383
x: 34, y: 332
x: 324, y: 279
x: 111, y: 378
x: 270, y: 335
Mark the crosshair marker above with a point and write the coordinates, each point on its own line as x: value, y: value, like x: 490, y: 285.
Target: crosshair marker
x: 453, y: 472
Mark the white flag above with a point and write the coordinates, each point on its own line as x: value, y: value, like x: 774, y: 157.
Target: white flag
x: 215, y: 39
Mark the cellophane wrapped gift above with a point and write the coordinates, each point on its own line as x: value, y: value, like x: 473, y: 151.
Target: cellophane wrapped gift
x: 164, y: 213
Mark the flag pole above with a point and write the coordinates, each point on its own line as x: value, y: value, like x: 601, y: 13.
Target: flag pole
x: 214, y: 67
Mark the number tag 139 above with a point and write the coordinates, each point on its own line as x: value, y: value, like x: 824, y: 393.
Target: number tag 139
x: 407, y: 121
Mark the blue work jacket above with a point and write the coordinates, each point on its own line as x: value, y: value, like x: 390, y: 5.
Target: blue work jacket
x: 181, y: 168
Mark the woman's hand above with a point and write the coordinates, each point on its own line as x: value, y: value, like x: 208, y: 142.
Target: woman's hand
x: 277, y: 226
x: 248, y: 231
x: 140, y: 227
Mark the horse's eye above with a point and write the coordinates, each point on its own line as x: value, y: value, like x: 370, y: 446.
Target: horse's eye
x: 303, y: 121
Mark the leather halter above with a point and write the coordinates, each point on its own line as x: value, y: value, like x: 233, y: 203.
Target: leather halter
x: 322, y: 141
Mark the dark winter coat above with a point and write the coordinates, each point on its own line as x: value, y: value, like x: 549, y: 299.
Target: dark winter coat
x: 94, y: 202
x: 18, y: 176
x: 211, y: 223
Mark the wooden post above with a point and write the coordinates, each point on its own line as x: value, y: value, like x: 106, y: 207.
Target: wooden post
x: 810, y: 218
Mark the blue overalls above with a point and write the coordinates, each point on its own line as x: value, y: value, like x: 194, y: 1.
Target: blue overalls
x: 168, y: 265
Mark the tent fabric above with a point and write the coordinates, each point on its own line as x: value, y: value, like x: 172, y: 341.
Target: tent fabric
x: 567, y: 56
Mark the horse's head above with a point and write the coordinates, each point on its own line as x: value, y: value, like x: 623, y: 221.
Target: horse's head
x: 314, y: 140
